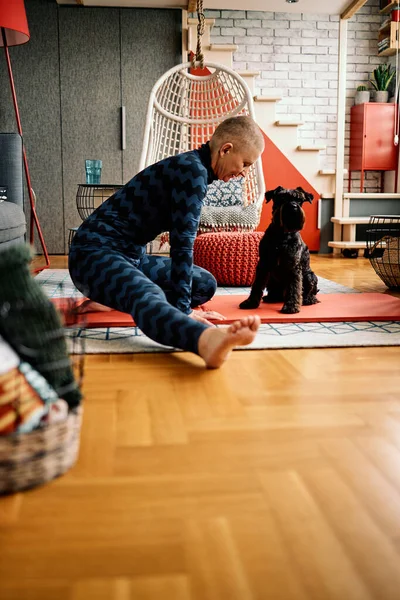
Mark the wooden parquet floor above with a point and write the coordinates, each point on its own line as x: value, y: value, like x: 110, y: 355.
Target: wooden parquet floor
x: 275, y: 478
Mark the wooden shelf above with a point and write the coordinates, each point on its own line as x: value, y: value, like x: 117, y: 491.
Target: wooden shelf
x: 348, y: 245
x: 267, y: 98
x: 385, y: 26
x: 371, y: 196
x: 310, y: 147
x: 389, y: 7
x: 351, y: 220
x: 330, y: 172
x: 223, y: 47
x: 387, y: 52
x: 249, y: 73
x: 288, y: 123
x: 389, y: 32
x: 194, y: 21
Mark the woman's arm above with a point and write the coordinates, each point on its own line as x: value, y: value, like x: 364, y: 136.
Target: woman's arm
x: 187, y: 196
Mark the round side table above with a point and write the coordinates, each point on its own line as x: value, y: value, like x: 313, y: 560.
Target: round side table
x: 90, y: 196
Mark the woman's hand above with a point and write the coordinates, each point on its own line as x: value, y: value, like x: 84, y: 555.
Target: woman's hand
x: 211, y: 314
x: 203, y: 316
x: 90, y: 306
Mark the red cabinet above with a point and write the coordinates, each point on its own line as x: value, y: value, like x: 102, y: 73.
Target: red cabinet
x: 372, y: 148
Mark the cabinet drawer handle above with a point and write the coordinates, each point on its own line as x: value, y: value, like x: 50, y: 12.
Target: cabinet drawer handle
x: 123, y: 128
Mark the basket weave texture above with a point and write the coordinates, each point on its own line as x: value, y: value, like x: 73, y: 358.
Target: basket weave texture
x: 37, y: 457
x: 388, y: 267
x: 231, y: 257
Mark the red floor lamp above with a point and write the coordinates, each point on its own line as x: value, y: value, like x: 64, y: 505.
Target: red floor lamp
x: 14, y: 31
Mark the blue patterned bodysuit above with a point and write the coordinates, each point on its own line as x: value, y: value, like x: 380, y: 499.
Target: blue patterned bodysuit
x: 108, y: 262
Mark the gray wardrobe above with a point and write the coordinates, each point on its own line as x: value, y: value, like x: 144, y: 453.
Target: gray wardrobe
x: 79, y: 67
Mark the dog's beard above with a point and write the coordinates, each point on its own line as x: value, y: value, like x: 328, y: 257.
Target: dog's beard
x: 292, y: 219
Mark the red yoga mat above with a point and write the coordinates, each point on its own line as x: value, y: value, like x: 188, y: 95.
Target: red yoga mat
x: 332, y: 307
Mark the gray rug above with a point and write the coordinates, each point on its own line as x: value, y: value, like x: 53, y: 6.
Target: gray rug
x: 127, y: 340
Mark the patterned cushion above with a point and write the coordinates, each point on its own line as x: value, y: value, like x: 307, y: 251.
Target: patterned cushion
x: 230, y: 193
x: 230, y: 218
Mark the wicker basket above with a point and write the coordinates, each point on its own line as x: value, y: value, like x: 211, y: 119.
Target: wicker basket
x: 31, y: 459
x: 31, y: 455
x: 388, y: 266
x: 383, y: 248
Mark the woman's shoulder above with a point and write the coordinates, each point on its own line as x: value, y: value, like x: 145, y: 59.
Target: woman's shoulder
x: 187, y: 161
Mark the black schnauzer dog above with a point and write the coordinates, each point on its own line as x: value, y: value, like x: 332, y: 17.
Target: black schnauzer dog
x: 284, y: 264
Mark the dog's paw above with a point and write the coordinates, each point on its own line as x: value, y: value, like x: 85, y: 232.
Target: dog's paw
x: 290, y: 309
x: 249, y: 303
x: 310, y: 301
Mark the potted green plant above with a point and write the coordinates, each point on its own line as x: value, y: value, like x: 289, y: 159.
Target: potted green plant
x: 381, y: 79
x: 362, y: 95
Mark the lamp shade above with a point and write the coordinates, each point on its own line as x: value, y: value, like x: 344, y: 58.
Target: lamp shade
x: 13, y: 21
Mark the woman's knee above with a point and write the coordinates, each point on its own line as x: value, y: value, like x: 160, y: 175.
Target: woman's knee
x: 204, y: 286
x: 89, y: 269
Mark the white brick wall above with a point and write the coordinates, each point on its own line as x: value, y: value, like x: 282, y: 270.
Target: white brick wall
x: 297, y: 56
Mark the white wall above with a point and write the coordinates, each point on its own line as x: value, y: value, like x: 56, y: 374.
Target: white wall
x: 297, y: 56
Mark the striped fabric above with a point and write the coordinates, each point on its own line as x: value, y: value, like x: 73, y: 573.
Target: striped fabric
x: 107, y: 259
x: 167, y: 196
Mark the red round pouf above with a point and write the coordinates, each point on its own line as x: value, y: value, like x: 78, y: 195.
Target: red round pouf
x: 231, y: 257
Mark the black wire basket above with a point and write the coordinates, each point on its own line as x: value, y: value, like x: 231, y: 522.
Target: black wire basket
x: 383, y: 248
x: 91, y: 196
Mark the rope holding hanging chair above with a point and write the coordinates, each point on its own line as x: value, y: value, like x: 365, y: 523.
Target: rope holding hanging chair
x: 184, y: 110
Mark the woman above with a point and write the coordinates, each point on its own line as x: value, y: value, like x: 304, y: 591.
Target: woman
x: 107, y: 259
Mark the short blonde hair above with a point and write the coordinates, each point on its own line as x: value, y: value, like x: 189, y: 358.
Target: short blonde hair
x: 240, y: 131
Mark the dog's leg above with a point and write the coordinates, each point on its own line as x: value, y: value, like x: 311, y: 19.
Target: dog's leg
x: 291, y: 274
x: 293, y: 292
x: 258, y: 287
x: 310, y: 288
x: 310, y: 281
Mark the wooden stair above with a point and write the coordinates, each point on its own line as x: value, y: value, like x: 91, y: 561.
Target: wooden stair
x: 283, y: 131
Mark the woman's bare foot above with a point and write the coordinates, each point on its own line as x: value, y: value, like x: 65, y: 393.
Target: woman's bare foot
x: 91, y: 306
x: 215, y: 343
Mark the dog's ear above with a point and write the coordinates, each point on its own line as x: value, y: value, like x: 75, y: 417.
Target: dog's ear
x: 306, y: 196
x: 270, y: 195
